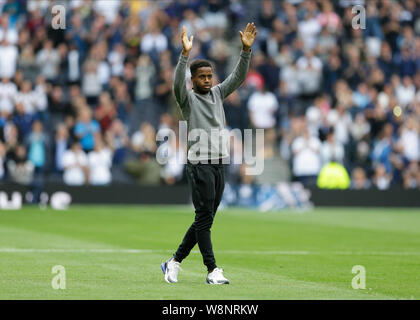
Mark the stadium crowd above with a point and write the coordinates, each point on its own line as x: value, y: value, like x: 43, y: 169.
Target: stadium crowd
x: 84, y: 104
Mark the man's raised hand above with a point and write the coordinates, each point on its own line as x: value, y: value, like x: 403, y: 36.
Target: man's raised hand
x: 248, y: 36
x: 186, y: 44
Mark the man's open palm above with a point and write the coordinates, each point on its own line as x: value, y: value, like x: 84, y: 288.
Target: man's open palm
x: 187, y: 44
x: 249, y: 34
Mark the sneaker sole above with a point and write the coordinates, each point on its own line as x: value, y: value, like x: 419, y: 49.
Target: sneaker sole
x: 211, y: 282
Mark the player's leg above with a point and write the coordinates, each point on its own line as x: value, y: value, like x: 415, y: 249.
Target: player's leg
x: 201, y: 180
x: 204, y: 176
x: 190, y: 238
x: 216, y: 276
x: 219, y: 186
x: 171, y: 267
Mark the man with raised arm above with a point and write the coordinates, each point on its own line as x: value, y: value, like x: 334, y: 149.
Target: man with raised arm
x: 202, y: 108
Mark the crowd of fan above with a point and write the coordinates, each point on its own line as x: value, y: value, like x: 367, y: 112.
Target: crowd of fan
x: 85, y: 103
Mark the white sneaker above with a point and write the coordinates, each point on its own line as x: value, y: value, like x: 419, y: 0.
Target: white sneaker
x: 170, y: 269
x: 216, y: 277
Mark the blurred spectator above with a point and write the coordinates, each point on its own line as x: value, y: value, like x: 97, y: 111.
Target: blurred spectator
x: 75, y: 164
x: 359, y: 181
x: 332, y: 150
x: 310, y: 71
x: 86, y: 128
x: 27, y: 62
x: 235, y: 111
x: 60, y: 146
x: 27, y: 97
x: 410, y: 140
x: 144, y: 140
x: 309, y: 29
x: 8, y: 30
x: 37, y: 146
x: 306, y: 158
x: 117, y: 138
x: 91, y: 85
x: 145, y: 72
x: 333, y: 176
x: 8, y: 92
x: 381, y: 179
x: 123, y: 101
x: 48, y: 61
x: 116, y: 59
x: 173, y: 170
x: 22, y: 119
x: 411, y: 176
x: 105, y: 112
x: 100, y: 162
x: 163, y: 91
x: 154, y: 41
x: 9, y: 58
x: 405, y: 92
x: 19, y: 168
x: 382, y: 148
x: 262, y: 107
x: 145, y: 169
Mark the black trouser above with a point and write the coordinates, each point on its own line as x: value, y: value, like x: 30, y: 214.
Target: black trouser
x: 207, y: 182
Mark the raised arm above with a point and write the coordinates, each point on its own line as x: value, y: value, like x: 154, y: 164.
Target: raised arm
x: 180, y: 87
x: 238, y: 75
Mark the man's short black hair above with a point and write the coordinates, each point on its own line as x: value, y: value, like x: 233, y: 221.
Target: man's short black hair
x: 199, y: 64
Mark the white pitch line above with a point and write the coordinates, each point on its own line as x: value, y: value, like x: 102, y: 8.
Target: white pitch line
x: 257, y: 252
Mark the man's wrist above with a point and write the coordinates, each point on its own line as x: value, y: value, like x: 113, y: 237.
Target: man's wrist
x: 246, y: 48
x: 185, y: 53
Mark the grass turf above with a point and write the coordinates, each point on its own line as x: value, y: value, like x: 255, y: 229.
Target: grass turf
x: 273, y: 255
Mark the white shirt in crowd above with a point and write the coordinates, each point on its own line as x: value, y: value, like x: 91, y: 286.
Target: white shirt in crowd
x: 308, y: 31
x: 9, y: 56
x: 29, y: 101
x: 405, y: 94
x: 116, y: 60
x: 411, y: 144
x: 11, y: 35
x: 313, y: 117
x: 341, y: 123
x: 332, y: 151
x: 307, y: 159
x: 100, y: 166
x: 40, y: 93
x: 289, y: 74
x: 73, y: 163
x: 103, y: 72
x: 91, y: 85
x: 137, y: 139
x: 8, y: 93
x: 152, y: 41
x: 310, y: 73
x: 48, y: 62
x: 108, y: 8
x: 263, y: 107
x: 74, y: 68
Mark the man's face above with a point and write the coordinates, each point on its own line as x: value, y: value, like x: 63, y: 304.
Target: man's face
x: 203, y: 79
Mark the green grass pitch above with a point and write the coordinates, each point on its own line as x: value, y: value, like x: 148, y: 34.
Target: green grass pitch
x: 114, y: 252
